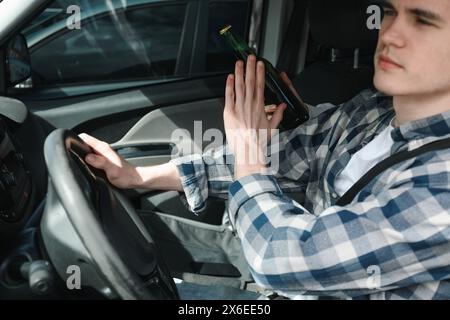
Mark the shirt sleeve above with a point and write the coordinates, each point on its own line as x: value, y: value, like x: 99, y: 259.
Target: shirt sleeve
x: 396, y: 238
x: 292, y: 154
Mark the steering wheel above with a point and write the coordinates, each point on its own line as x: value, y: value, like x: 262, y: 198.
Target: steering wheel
x: 121, y: 249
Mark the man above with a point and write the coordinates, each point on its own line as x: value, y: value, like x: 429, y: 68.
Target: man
x: 397, y: 229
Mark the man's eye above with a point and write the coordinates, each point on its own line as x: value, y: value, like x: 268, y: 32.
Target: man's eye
x: 423, y: 22
x: 389, y: 13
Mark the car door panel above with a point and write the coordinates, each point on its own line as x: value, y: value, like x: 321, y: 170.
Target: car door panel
x: 150, y: 142
x: 158, y: 126
x: 109, y: 115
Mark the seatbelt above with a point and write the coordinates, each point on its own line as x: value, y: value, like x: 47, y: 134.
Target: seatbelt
x: 287, y: 60
x: 386, y: 164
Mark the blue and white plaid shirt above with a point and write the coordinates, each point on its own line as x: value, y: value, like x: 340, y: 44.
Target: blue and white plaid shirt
x: 391, y: 242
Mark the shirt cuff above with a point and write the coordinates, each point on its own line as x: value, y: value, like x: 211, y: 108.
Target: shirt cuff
x: 247, y: 188
x: 191, y: 170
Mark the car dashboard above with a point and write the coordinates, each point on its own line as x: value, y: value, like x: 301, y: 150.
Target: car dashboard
x: 15, y: 179
x: 23, y: 187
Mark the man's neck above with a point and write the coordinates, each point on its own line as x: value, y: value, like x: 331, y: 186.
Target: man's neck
x: 412, y: 108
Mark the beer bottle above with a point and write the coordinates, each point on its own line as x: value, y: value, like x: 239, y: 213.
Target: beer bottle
x: 296, y: 112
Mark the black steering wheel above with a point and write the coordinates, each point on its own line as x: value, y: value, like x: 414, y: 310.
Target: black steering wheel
x: 122, y: 251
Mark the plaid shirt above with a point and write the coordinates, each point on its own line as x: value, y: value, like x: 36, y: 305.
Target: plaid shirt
x: 391, y: 242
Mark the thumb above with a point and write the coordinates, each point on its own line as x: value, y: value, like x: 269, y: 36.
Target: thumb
x: 277, y: 116
x: 95, y: 161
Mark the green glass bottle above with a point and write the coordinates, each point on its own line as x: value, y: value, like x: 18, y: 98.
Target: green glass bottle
x: 296, y: 112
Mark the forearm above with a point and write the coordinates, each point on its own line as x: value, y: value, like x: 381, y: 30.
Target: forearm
x: 163, y: 177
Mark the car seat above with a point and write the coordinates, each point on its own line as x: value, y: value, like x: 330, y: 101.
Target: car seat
x: 341, y: 51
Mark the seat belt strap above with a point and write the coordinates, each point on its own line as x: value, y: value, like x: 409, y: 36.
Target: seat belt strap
x: 386, y: 164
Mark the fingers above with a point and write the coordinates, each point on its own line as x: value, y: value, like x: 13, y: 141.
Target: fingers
x: 229, y: 94
x: 277, y: 116
x: 270, y: 108
x: 91, y: 158
x: 250, y: 79
x: 88, y: 139
x: 98, y: 146
x: 98, y: 162
x: 94, y: 160
x: 118, y: 171
x: 239, y: 84
x: 103, y: 153
x: 260, y: 83
x: 248, y: 93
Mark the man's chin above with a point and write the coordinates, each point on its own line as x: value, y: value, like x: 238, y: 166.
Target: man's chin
x: 390, y: 87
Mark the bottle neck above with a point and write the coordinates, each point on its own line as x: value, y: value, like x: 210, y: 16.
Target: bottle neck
x: 240, y: 47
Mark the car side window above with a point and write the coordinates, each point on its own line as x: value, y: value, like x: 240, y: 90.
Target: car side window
x: 122, y: 41
x: 221, y: 13
x: 124, y: 44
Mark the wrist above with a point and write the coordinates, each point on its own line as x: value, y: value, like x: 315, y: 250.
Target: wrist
x: 247, y: 170
x: 159, y: 177
x: 141, y: 178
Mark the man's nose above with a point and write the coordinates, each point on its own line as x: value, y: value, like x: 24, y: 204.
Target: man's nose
x: 392, y: 33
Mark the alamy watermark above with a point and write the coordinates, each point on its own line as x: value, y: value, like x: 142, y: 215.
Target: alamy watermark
x: 254, y: 147
x: 73, y: 22
x: 373, y: 282
x: 375, y: 17
x: 373, y: 21
x: 73, y: 281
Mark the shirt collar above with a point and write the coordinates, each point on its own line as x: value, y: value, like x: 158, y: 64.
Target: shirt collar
x: 433, y: 126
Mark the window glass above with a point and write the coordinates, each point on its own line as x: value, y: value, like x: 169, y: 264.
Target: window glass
x: 126, y: 40
x: 113, y: 43
x: 222, y: 13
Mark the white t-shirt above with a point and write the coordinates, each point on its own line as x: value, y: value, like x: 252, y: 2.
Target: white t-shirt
x: 365, y: 159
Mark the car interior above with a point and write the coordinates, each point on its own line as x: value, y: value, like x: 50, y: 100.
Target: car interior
x: 131, y: 75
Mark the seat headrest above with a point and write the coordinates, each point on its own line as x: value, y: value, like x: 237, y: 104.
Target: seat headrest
x: 341, y: 24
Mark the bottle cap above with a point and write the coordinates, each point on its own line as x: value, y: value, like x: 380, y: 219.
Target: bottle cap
x: 225, y: 29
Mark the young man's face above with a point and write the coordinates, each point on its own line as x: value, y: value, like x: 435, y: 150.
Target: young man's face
x: 413, y: 53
